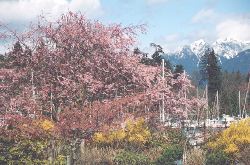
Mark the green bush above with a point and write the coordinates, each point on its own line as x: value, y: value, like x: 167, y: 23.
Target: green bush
x: 218, y: 157
x: 170, y: 155
x: 167, y: 137
x: 131, y: 158
x: 175, y: 136
x: 27, y: 151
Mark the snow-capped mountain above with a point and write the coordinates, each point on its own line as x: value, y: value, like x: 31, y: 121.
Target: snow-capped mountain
x: 199, y: 47
x: 184, y: 51
x: 226, y: 49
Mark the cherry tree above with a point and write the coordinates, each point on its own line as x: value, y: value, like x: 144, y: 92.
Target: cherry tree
x: 83, y: 73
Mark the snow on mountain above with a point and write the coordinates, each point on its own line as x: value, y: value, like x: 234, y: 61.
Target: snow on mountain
x: 225, y: 48
x: 184, y: 51
x: 195, y: 49
x: 228, y: 47
x: 199, y: 47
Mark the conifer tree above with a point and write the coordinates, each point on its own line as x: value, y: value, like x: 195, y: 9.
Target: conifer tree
x: 157, y: 56
x: 179, y: 69
x: 211, y: 72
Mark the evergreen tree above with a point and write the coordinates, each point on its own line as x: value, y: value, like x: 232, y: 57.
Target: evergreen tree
x: 178, y: 70
x: 17, y: 47
x: 232, y: 83
x: 156, y: 57
x: 157, y: 54
x: 211, y: 72
x: 144, y: 60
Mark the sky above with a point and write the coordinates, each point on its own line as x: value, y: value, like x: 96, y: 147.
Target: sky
x: 170, y: 23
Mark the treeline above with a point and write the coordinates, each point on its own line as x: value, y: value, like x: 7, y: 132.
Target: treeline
x: 231, y: 87
x: 233, y: 93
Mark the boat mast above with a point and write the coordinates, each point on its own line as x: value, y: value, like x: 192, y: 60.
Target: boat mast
x: 163, y: 103
x: 244, y: 108
x: 239, y: 106
x: 207, y: 100
x: 198, y: 112
x: 217, y: 105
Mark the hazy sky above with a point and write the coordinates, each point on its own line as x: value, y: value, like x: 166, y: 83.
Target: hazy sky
x: 171, y: 23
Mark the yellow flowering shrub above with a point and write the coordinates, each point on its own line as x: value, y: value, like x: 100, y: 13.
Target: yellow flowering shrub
x: 45, y: 124
x: 137, y: 131
x: 134, y: 131
x: 99, y: 137
x: 233, y: 139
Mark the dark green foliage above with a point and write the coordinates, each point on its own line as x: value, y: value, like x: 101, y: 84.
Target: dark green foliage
x: 148, y: 61
x: 28, y: 151
x: 170, y: 155
x: 217, y: 158
x: 178, y: 70
x: 137, y: 51
x: 232, y: 83
x: 211, y: 71
x: 145, y: 60
x: 197, y: 79
x: 131, y: 158
x: 156, y: 57
x: 23, y: 152
x: 2, y: 61
x: 17, y: 47
x: 176, y: 136
x: 157, y: 54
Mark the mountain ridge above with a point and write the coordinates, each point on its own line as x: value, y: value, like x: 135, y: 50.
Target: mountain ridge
x: 233, y: 55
